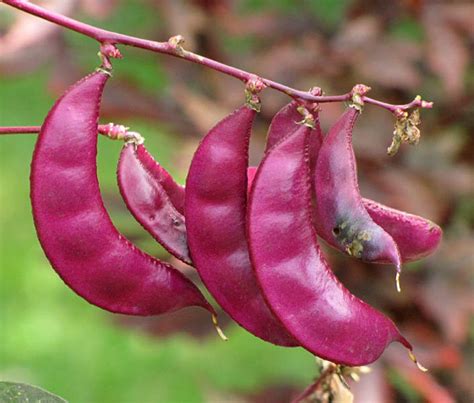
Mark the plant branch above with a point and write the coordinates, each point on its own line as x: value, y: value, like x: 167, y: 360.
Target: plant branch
x: 173, y: 47
x: 110, y: 130
x: 20, y: 129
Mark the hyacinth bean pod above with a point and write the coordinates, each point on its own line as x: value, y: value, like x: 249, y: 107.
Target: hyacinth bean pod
x: 73, y: 226
x: 251, y: 172
x: 415, y: 236
x: 340, y: 217
x: 215, y: 206
x: 141, y: 182
x: 295, y: 279
x: 283, y: 123
x: 163, y: 178
x: 286, y: 121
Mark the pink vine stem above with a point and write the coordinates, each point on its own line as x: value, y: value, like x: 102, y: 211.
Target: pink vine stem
x: 20, y: 129
x: 110, y: 130
x: 173, y: 47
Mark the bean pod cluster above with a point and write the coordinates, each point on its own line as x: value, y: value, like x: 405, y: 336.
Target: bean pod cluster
x: 250, y: 232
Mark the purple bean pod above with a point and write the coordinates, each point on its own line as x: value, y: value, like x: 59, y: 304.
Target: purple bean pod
x: 294, y: 277
x: 215, y: 206
x: 141, y: 182
x: 283, y: 123
x: 251, y: 172
x: 340, y: 217
x: 73, y: 226
x: 174, y: 190
x: 415, y: 236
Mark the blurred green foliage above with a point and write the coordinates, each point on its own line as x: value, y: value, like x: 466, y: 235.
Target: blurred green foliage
x: 407, y: 28
x: 330, y: 12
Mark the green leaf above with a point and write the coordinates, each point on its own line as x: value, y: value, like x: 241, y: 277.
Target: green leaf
x: 12, y: 392
x: 407, y: 28
x: 330, y: 13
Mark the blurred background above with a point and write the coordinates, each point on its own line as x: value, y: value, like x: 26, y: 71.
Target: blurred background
x: 52, y: 338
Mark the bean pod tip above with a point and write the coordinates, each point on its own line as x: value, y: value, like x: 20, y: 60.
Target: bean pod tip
x: 218, y: 328
x: 414, y: 359
x: 397, y: 281
x: 103, y: 69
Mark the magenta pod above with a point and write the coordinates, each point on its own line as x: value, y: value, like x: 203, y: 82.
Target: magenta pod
x: 286, y: 121
x: 295, y: 279
x: 251, y: 172
x: 215, y: 206
x: 340, y: 217
x: 140, y: 180
x: 283, y: 123
x: 163, y: 178
x: 416, y: 237
x: 73, y: 226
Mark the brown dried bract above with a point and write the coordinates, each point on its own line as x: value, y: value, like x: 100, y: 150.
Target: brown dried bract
x: 406, y: 130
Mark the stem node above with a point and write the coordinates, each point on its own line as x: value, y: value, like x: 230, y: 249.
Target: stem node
x: 176, y: 43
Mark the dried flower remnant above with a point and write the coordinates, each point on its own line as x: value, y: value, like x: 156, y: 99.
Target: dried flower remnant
x: 406, y: 130
x: 358, y: 93
x: 331, y: 385
x: 253, y: 87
